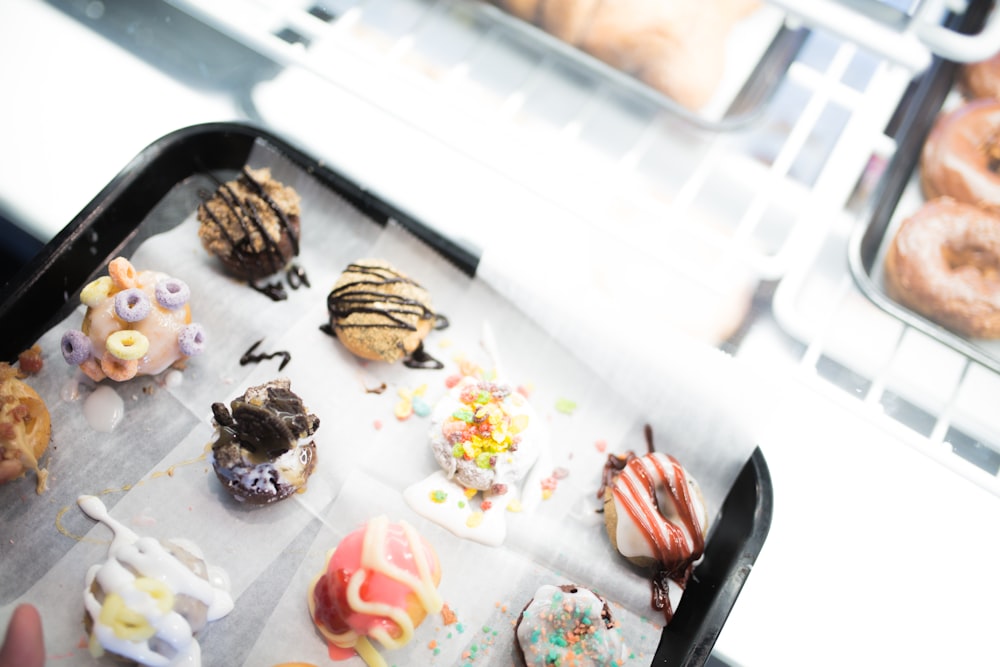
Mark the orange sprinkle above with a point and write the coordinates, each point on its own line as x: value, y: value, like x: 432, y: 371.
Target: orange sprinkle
x: 601, y: 445
x: 448, y: 616
x: 432, y: 644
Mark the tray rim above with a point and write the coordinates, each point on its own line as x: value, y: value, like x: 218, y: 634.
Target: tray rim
x: 915, y: 116
x: 139, y: 186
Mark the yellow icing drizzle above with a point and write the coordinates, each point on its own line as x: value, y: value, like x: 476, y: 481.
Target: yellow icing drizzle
x: 422, y: 585
x: 126, y: 623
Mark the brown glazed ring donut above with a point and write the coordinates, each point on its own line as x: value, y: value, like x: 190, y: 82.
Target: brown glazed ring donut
x: 981, y: 79
x: 944, y: 263
x: 962, y: 155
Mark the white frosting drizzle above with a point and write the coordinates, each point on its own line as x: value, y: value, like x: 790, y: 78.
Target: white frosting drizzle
x: 148, y: 557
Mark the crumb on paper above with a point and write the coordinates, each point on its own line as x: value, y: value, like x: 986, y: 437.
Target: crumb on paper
x: 565, y: 406
x: 30, y: 361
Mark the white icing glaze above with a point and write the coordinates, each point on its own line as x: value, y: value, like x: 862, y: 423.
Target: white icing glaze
x: 457, y: 513
x: 104, y: 409
x: 70, y: 390
x: 149, y: 558
x: 566, y: 628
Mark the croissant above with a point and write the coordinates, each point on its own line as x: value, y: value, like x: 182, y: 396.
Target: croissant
x: 676, y: 47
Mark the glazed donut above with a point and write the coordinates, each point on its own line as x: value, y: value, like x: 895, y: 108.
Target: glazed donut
x: 379, y: 583
x: 944, y: 263
x: 137, y: 323
x: 962, y: 153
x: 150, y: 600
x: 655, y: 516
x: 568, y: 625
x: 981, y: 79
x: 260, y: 453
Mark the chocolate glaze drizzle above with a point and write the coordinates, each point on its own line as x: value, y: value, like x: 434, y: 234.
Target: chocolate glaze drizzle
x: 354, y: 297
x: 250, y: 358
x: 246, y: 212
x: 669, y: 567
x: 349, y: 299
x: 420, y: 359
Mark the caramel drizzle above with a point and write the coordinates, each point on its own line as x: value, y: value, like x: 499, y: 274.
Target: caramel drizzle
x: 246, y: 212
x: 633, y: 482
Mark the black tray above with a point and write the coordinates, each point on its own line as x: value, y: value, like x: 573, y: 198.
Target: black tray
x: 43, y: 294
x: 914, y: 118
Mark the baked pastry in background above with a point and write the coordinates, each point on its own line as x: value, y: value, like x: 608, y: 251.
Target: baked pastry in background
x: 381, y: 314
x: 251, y: 224
x: 568, y: 625
x: 261, y: 453
x: 675, y: 46
x: 137, y: 323
x: 981, y: 79
x: 150, y: 599
x: 379, y: 583
x: 944, y: 263
x: 655, y: 516
x: 961, y: 155
x: 25, y: 429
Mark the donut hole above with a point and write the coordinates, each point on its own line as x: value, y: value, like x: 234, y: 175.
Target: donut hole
x: 991, y: 148
x: 665, y: 503
x: 975, y: 257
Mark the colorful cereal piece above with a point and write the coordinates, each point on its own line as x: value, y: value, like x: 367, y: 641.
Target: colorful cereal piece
x: 132, y: 305
x: 76, y: 347
x: 122, y: 273
x: 127, y: 345
x: 96, y: 291
x: 191, y: 339
x: 172, y: 293
x: 117, y: 369
x: 92, y: 368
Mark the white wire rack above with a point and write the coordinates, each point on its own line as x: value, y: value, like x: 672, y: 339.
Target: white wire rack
x: 908, y: 32
x: 775, y: 194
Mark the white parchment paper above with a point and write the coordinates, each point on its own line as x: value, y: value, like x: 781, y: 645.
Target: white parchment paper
x: 152, y: 473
